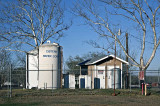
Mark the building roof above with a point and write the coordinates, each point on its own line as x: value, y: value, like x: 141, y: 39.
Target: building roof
x: 35, y: 51
x: 50, y: 44
x: 98, y: 59
x: 84, y: 62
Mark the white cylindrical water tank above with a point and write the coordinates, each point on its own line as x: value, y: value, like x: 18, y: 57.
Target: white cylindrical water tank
x: 49, y: 66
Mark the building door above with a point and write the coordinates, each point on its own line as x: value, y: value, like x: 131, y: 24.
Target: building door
x: 82, y: 82
x: 96, y: 83
x: 66, y: 81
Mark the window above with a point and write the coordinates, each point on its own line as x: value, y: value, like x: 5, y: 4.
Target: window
x: 84, y: 72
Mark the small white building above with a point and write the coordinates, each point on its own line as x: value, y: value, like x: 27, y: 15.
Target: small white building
x: 69, y: 81
x: 101, y: 71
x: 44, y: 67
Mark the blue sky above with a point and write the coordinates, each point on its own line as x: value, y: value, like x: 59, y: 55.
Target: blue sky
x: 74, y: 40
x: 74, y: 43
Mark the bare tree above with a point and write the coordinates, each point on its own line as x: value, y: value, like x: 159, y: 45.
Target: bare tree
x: 30, y: 23
x: 142, y: 13
x: 5, y: 61
x: 21, y: 59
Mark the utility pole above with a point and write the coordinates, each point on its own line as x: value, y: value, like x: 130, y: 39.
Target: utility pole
x: 127, y: 78
x: 52, y: 79
x: 119, y: 33
x: 115, y: 65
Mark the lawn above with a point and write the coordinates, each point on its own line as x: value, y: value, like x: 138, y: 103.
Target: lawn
x: 78, y: 97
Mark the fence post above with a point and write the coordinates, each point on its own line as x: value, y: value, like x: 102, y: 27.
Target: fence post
x: 145, y: 89
x: 52, y: 79
x: 158, y: 76
x: 130, y: 80
x: 10, y: 81
x: 27, y: 72
x: 142, y: 88
x: 139, y: 83
x: 91, y: 77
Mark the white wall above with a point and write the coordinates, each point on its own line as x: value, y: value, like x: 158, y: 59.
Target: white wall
x: 72, y: 81
x: 87, y: 81
x: 49, y: 59
x: 101, y: 76
x: 110, y: 77
x: 33, y: 70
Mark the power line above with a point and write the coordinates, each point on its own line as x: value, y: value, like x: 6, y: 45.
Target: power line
x: 140, y: 39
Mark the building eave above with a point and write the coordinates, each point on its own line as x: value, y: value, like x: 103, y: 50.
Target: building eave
x: 106, y: 58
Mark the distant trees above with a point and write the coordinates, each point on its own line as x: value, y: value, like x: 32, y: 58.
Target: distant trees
x: 72, y: 62
x: 20, y: 59
x: 19, y: 76
x: 16, y: 65
x: 5, y: 61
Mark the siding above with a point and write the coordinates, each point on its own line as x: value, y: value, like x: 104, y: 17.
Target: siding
x: 91, y: 69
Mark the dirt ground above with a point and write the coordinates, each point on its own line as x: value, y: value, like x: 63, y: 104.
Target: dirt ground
x: 74, y: 98
x: 89, y: 100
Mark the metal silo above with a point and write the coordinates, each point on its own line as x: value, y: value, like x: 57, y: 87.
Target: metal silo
x: 44, y: 67
x: 49, y: 66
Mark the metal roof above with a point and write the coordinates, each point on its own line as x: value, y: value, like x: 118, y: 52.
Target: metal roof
x: 98, y: 59
x: 84, y: 62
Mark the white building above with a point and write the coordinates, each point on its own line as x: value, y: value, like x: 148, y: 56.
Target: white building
x: 44, y: 67
x: 69, y: 81
x: 101, y: 71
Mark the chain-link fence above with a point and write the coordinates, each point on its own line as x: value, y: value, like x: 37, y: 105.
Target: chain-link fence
x: 151, y: 78
x: 124, y: 80
x: 12, y: 78
x: 20, y: 78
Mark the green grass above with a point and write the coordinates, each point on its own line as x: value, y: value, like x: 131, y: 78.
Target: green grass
x: 78, y: 97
